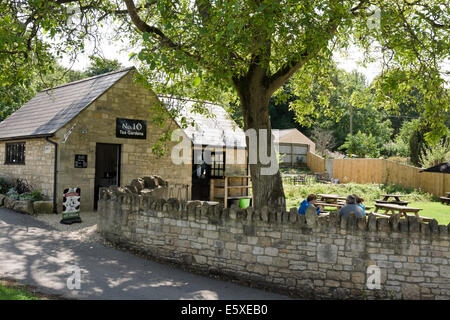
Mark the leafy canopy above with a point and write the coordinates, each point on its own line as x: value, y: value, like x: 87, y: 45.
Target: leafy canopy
x: 207, y: 48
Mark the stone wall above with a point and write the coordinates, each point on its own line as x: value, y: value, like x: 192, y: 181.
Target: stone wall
x: 306, y: 256
x: 39, y: 155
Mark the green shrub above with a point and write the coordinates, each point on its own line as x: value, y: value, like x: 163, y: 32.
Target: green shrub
x: 13, y: 194
x: 33, y: 196
x: 361, y: 144
x: 434, y: 155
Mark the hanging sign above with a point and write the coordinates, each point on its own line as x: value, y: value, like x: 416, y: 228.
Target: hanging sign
x: 71, y: 206
x: 131, y: 129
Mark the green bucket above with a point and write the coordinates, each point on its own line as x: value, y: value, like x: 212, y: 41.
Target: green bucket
x: 244, y: 203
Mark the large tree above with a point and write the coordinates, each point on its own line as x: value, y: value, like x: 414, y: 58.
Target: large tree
x: 250, y: 48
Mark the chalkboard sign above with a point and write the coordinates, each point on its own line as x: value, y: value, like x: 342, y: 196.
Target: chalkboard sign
x: 131, y: 129
x: 71, y: 206
x: 81, y: 161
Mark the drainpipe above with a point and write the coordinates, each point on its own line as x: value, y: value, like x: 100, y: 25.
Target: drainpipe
x: 54, y: 174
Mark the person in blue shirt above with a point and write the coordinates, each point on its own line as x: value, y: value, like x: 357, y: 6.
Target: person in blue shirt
x: 310, y: 201
x: 359, y: 202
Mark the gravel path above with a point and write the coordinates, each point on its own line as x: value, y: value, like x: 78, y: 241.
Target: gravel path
x: 40, y: 252
x: 84, y: 231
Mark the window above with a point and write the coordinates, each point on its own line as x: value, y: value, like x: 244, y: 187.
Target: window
x: 217, y: 164
x: 15, y: 153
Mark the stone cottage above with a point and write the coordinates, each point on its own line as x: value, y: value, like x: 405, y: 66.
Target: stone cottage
x: 100, y: 131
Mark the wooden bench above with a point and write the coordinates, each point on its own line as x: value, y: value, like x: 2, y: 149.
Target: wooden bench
x: 378, y: 215
x: 425, y: 219
x: 400, y: 202
x: 326, y: 204
x: 445, y: 200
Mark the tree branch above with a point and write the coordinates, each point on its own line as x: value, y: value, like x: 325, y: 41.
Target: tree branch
x: 292, y: 66
x: 144, y: 27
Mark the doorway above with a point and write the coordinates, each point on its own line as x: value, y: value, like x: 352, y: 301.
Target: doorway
x: 206, y: 165
x: 107, y: 167
x: 201, y: 176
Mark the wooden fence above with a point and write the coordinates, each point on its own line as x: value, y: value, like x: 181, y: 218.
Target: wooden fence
x: 315, y: 163
x: 384, y: 172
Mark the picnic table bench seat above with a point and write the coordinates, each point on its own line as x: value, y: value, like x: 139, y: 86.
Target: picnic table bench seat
x: 378, y: 215
x: 327, y: 204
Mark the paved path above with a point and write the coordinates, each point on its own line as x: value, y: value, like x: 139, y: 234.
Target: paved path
x: 35, y: 254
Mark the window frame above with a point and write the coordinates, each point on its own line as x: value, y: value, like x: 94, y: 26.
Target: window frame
x: 217, y: 167
x: 17, y: 154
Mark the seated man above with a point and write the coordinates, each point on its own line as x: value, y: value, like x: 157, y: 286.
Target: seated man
x: 351, y: 206
x: 310, y: 201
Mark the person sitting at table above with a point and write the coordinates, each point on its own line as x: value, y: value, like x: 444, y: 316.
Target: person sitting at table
x: 359, y: 202
x: 351, y: 206
x: 310, y: 201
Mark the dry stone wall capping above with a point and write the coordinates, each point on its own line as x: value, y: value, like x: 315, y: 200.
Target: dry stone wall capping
x: 305, y: 256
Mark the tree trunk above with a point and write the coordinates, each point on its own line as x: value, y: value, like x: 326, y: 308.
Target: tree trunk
x: 267, y: 188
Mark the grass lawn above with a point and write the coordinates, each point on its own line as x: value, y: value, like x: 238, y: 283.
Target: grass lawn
x: 12, y: 290
x: 432, y: 208
x: 436, y: 210
x: 7, y: 293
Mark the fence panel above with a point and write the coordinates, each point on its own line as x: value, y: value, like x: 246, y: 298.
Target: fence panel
x: 384, y: 172
x: 315, y: 163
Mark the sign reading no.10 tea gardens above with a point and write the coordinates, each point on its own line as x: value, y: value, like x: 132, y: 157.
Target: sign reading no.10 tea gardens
x: 131, y: 129
x: 71, y: 206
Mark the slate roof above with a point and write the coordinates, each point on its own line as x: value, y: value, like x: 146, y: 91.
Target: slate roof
x: 51, y: 109
x: 214, y: 128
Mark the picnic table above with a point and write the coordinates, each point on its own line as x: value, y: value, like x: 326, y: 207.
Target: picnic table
x: 445, y: 200
x: 403, y: 210
x: 330, y: 198
x: 396, y: 199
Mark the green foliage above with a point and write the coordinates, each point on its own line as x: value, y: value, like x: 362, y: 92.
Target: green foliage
x: 100, y: 65
x: 17, y: 293
x: 436, y: 154
x: 347, y: 97
x: 12, y: 97
x: 33, y: 196
x: 19, y: 190
x: 361, y: 145
x: 202, y: 48
x: 403, y: 138
x: 13, y: 194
